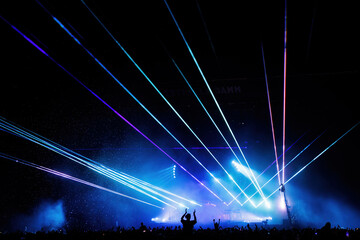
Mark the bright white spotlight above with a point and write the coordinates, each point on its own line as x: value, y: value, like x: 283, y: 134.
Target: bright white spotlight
x: 282, y: 204
x: 182, y: 205
x: 240, y: 168
x: 267, y: 204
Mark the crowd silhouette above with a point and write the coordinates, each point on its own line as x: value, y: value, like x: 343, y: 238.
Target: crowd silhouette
x: 174, y: 233
x: 188, y: 232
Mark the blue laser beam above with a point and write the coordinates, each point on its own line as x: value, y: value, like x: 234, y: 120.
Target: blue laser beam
x: 206, y: 29
x: 63, y: 175
x: 303, y: 168
x: 82, y: 160
x: 164, y: 98
x: 106, y: 171
x: 28, y: 39
x: 268, y: 168
x: 77, y: 41
x: 282, y: 169
x: 160, y: 189
x: 252, y: 177
x: 61, y: 25
x: 118, y: 114
x: 212, y: 120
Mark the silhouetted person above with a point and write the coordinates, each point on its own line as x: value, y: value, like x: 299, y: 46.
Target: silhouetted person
x: 142, y: 228
x: 216, y: 225
x: 188, y: 225
x: 325, y: 231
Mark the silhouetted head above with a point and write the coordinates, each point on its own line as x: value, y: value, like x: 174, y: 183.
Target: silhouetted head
x: 188, y: 216
x: 327, y: 226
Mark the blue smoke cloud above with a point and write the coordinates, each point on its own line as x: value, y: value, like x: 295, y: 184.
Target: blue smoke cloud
x: 47, y: 216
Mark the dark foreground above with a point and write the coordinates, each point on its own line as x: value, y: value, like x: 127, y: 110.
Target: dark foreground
x: 199, y: 234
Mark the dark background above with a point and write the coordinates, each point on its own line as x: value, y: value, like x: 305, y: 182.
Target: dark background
x: 226, y: 38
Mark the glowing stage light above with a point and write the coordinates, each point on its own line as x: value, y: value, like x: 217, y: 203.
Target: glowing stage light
x: 60, y: 174
x: 239, y: 167
x: 183, y: 206
x: 252, y: 177
x: 59, y: 65
x: 267, y: 204
x: 162, y: 96
x: 281, y: 203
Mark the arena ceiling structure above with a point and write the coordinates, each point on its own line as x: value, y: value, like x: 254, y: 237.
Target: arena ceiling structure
x: 120, y: 112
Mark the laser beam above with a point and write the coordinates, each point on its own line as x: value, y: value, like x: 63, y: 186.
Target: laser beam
x: 303, y: 168
x: 83, y: 161
x: 77, y: 41
x: 63, y: 175
x: 297, y: 155
x: 215, y: 125
x: 284, y: 95
x: 252, y: 177
x: 67, y: 31
x: 277, y: 174
x: 270, y: 112
x: 160, y: 189
x: 123, y: 118
x: 163, y: 97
